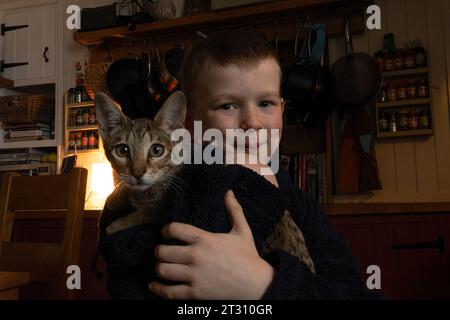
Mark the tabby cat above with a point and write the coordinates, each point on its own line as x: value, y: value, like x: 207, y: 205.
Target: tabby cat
x: 139, y: 151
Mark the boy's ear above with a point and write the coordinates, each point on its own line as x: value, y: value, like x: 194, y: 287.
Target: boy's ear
x: 172, y: 114
x: 108, y: 114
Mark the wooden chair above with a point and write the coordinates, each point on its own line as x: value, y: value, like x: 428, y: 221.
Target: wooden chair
x: 43, y: 197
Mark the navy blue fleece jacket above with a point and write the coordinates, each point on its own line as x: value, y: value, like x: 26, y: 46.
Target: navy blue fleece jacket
x: 199, y: 201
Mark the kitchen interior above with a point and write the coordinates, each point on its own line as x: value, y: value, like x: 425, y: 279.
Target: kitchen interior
x: 376, y: 160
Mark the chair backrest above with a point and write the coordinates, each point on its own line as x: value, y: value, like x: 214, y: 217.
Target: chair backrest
x: 43, y: 197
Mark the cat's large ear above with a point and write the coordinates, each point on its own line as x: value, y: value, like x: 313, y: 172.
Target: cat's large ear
x: 108, y: 113
x: 172, y: 114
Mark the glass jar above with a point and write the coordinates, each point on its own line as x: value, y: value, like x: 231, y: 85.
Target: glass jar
x: 84, y: 141
x: 388, y: 63
x: 393, y: 123
x: 403, y: 120
x: 413, y: 120
x: 85, y: 116
x: 383, y: 124
x: 91, y: 142
x: 424, y: 119
x: 79, y: 118
x: 92, y: 116
x: 422, y: 89
x: 78, y: 137
x: 392, y: 92
x: 410, y: 60
x: 399, y: 62
x: 401, y: 90
x: 412, y: 89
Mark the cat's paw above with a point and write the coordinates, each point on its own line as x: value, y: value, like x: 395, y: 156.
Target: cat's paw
x: 114, y: 227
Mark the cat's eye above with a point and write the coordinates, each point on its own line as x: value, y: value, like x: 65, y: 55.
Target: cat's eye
x: 123, y: 150
x: 156, y: 150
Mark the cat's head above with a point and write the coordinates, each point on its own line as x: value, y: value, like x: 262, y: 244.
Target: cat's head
x: 139, y: 150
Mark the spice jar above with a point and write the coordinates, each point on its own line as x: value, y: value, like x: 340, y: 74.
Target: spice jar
x: 85, y: 116
x: 388, y: 63
x: 91, y: 141
x: 401, y: 90
x: 78, y: 137
x: 412, y: 89
x: 403, y: 121
x: 393, y: 123
x: 422, y: 89
x: 413, y: 120
x: 391, y: 92
x: 383, y: 124
x: 410, y: 60
x: 79, y: 118
x: 84, y: 141
x: 399, y: 62
x: 92, y: 116
x: 424, y: 119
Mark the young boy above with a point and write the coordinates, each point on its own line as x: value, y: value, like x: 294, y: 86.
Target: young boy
x: 232, y: 81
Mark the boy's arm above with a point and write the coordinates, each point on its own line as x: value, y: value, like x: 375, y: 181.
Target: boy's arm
x: 336, y: 274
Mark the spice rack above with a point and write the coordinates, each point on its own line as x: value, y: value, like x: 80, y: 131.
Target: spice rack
x: 404, y: 107
x: 80, y: 126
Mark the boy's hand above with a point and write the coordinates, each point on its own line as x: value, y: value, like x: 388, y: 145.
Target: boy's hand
x: 212, y: 265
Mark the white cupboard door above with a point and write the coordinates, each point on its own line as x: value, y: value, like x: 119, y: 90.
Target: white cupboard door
x: 42, y: 42
x: 35, y: 44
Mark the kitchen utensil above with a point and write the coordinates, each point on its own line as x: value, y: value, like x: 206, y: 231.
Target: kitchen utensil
x: 358, y: 76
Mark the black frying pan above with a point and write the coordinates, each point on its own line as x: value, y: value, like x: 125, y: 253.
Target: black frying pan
x: 358, y: 77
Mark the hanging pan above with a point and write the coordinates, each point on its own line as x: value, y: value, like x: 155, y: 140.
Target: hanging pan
x: 358, y: 77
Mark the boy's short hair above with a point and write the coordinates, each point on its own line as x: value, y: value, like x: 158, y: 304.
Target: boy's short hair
x: 241, y: 47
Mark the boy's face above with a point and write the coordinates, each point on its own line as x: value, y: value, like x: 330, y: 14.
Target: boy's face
x: 238, y: 97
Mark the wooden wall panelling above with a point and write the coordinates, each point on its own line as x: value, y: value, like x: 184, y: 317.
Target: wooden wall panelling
x: 404, y: 148
x: 384, y: 149
x: 384, y: 237
x: 405, y: 274
x: 438, y: 57
x: 425, y: 149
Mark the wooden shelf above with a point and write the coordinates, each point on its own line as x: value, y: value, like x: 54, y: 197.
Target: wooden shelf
x: 405, y: 133
x: 404, y: 72
x: 28, y: 144
x: 80, y: 104
x: 402, y: 103
x: 84, y: 128
x: 224, y: 17
x: 72, y: 151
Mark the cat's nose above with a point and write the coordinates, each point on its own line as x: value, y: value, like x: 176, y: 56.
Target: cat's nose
x: 137, y: 173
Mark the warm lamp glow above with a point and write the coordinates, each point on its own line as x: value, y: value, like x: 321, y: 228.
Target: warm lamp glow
x: 101, y: 183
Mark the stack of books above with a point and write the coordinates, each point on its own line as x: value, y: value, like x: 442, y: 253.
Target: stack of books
x: 307, y: 172
x: 27, y: 131
x: 20, y: 156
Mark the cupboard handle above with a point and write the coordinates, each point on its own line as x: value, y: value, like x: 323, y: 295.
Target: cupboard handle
x: 437, y: 244
x: 45, y: 54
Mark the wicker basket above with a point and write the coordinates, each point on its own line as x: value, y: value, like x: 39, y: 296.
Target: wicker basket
x: 33, y: 108
x: 95, y: 80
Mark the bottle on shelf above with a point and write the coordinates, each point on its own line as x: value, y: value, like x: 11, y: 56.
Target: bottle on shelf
x: 413, y: 120
x: 92, y: 118
x: 424, y: 119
